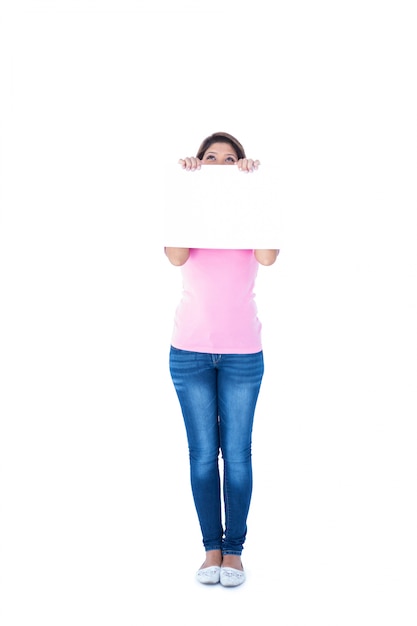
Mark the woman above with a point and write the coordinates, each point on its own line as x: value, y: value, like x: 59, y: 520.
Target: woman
x: 216, y: 364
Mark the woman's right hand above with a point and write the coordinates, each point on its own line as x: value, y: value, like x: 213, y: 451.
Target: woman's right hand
x: 190, y: 163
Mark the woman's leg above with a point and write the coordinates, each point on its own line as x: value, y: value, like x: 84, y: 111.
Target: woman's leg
x: 195, y: 379
x: 239, y: 381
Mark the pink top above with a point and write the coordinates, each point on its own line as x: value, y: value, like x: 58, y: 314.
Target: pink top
x: 217, y: 313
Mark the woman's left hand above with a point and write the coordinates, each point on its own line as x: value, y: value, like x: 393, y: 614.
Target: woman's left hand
x: 248, y: 165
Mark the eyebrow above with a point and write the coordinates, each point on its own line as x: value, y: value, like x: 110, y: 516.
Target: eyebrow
x: 226, y: 154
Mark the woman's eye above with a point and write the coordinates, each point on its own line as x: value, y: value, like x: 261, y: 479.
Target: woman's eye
x: 210, y: 157
x: 230, y: 160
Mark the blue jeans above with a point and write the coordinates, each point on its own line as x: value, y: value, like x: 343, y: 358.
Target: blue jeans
x: 218, y: 395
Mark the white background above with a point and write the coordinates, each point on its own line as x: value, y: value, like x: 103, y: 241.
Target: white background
x: 97, y: 521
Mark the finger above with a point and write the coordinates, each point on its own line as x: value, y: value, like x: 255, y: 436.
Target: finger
x: 243, y: 165
x: 186, y: 163
x: 192, y: 163
x: 256, y: 164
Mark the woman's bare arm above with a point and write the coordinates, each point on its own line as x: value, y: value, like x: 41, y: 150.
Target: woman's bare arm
x: 266, y: 257
x: 177, y: 256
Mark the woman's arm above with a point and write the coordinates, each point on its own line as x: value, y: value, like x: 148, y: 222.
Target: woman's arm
x: 266, y: 257
x: 177, y: 256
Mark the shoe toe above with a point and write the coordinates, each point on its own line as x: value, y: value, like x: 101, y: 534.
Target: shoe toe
x: 209, y: 575
x: 231, y: 577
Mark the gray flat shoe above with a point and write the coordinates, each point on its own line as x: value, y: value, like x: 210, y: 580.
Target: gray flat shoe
x: 209, y: 575
x: 231, y: 577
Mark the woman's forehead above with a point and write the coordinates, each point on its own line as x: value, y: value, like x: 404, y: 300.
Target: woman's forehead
x: 223, y: 147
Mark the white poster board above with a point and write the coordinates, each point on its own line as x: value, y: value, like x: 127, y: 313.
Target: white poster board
x: 220, y: 206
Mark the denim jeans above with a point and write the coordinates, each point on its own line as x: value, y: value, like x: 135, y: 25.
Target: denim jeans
x: 218, y: 395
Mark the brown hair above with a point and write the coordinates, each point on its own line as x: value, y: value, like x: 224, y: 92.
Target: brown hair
x: 221, y: 138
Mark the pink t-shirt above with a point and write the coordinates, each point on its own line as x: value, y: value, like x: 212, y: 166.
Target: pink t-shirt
x: 217, y: 313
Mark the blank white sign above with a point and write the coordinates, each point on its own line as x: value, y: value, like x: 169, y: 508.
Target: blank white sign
x: 219, y: 206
